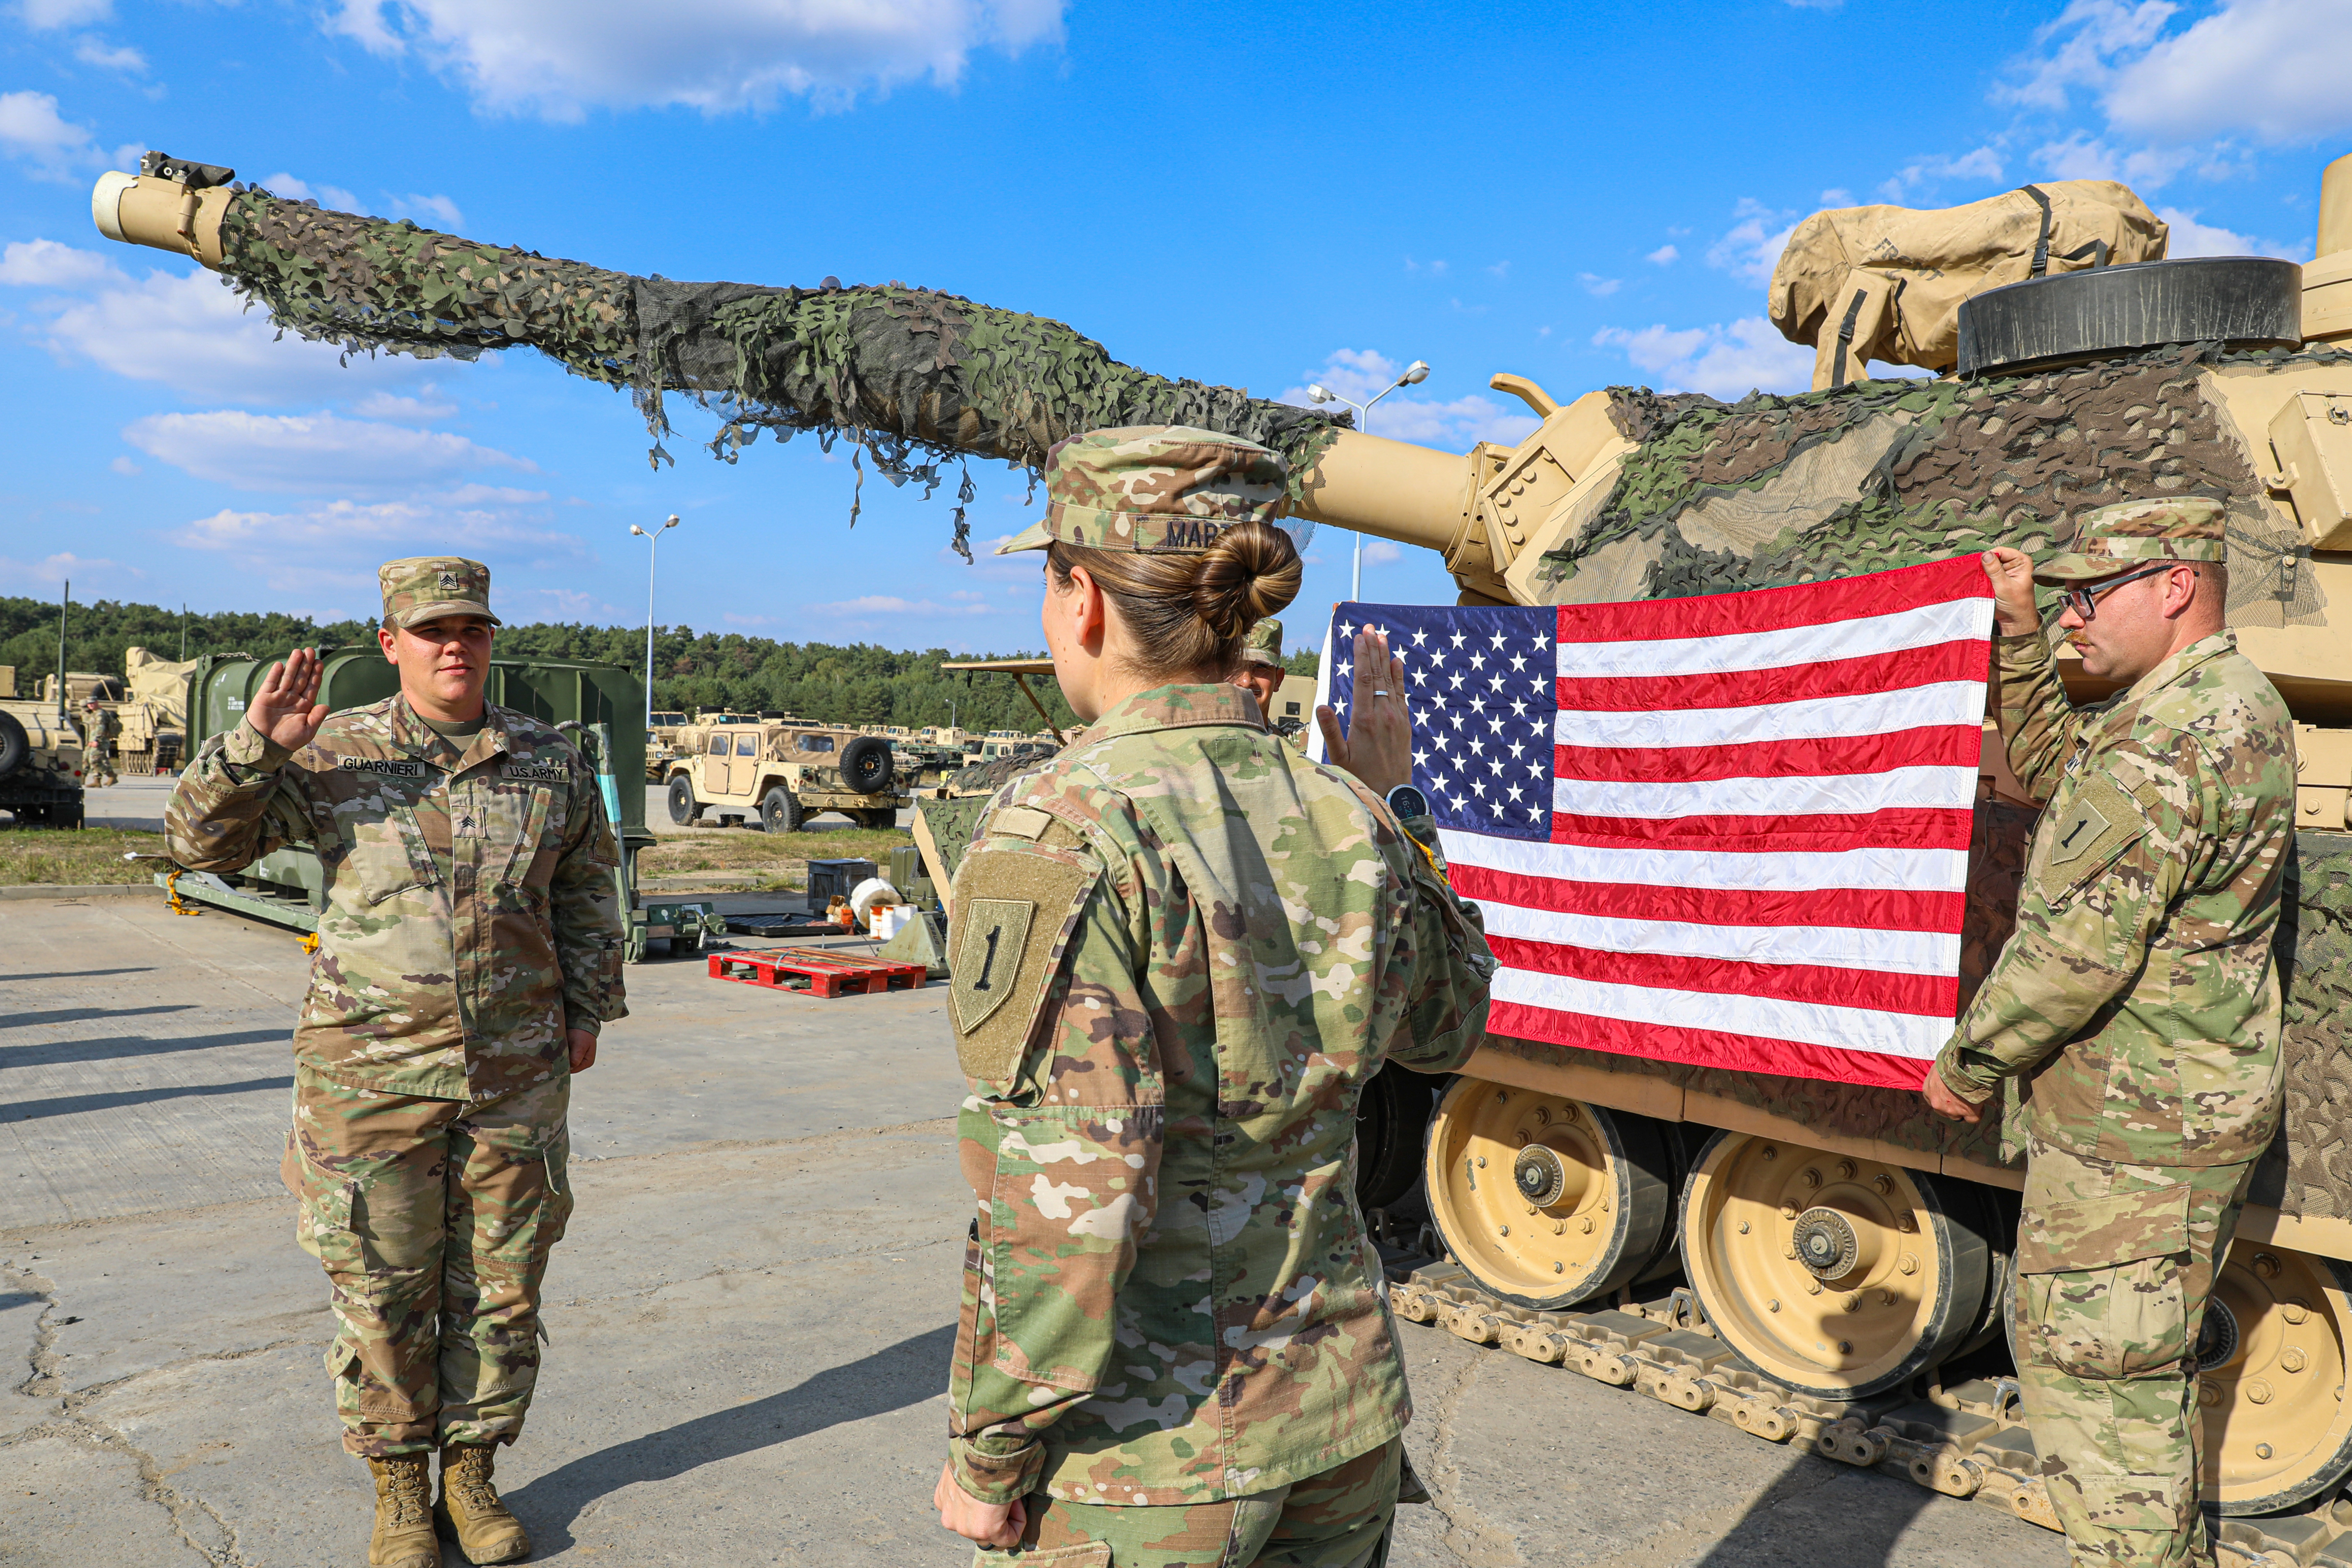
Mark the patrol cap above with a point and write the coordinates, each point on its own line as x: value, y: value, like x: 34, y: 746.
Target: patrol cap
x: 1158, y: 488
x: 2138, y: 534
x: 426, y: 587
x: 1263, y: 643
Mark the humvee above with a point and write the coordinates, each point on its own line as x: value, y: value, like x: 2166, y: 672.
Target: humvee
x: 40, y: 759
x: 784, y: 773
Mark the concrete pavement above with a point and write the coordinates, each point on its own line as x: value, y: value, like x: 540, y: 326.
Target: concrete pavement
x: 749, y: 1321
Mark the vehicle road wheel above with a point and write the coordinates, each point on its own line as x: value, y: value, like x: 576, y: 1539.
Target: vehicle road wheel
x: 683, y: 807
x: 1391, y: 1118
x: 16, y: 746
x: 2271, y: 1361
x: 866, y: 764
x: 1547, y: 1201
x: 779, y: 811
x: 1836, y: 1275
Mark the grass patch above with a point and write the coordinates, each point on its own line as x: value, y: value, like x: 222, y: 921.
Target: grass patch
x: 758, y: 863
x: 81, y: 858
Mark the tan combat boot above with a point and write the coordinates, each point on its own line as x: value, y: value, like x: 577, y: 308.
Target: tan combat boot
x: 469, y: 1512
x: 403, y: 1514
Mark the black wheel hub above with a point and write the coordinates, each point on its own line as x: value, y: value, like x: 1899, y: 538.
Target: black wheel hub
x: 2216, y: 1342
x: 1825, y: 1244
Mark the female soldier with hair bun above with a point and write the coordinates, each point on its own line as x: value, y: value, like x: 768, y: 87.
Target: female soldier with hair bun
x: 1180, y: 949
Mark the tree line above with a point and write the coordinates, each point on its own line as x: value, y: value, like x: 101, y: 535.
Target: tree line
x: 831, y: 683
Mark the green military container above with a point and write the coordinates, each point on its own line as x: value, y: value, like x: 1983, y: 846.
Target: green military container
x: 287, y: 886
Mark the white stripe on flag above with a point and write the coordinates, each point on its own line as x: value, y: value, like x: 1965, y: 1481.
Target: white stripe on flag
x: 1958, y: 703
x: 1810, y: 1023
x: 1922, y: 627
x: 1948, y: 788
x: 1906, y: 870
x: 1838, y: 947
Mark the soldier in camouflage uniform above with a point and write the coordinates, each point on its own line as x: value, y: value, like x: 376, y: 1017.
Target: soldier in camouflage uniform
x: 101, y: 728
x: 2138, y: 1002
x: 1260, y: 674
x: 470, y: 954
x: 1180, y: 950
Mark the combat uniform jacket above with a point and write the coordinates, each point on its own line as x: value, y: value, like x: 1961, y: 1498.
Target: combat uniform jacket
x: 471, y: 914
x: 2138, y: 997
x: 1180, y: 950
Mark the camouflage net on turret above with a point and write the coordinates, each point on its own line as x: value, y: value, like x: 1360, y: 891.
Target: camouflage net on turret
x: 912, y: 375
x: 1773, y: 490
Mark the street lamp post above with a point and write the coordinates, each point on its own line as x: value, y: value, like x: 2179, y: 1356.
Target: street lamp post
x: 1414, y: 374
x: 651, y: 556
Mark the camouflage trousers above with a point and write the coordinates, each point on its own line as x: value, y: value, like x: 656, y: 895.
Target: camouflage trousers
x: 2114, y: 1266
x: 98, y: 767
x: 1337, y: 1520
x: 434, y: 1218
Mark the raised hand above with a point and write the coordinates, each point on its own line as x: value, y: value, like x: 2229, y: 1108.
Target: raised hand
x: 2011, y: 574
x: 286, y: 709
x: 1377, y: 745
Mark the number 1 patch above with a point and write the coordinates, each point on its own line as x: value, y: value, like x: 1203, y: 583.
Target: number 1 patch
x: 1014, y: 911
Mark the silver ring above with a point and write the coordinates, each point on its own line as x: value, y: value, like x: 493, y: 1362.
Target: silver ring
x: 1378, y: 692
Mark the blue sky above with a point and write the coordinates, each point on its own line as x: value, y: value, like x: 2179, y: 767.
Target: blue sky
x: 1260, y: 195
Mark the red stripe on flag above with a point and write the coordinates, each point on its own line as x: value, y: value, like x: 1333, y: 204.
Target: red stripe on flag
x: 1777, y: 609
x: 1706, y: 1048
x: 1935, y: 745
x: 1827, y: 985
x: 1858, y: 909
x: 1897, y: 827
x: 1856, y: 676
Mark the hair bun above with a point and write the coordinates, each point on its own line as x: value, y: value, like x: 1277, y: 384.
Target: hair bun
x: 1252, y: 572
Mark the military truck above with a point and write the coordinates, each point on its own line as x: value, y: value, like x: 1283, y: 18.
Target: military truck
x: 784, y: 773
x: 2088, y: 372
x: 40, y: 759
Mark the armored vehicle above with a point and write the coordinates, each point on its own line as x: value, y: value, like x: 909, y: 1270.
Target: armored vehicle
x: 2079, y: 369
x: 784, y: 773
x: 40, y: 759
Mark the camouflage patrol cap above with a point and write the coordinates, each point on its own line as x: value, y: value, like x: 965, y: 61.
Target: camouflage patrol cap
x: 2137, y: 533
x: 426, y: 587
x: 1263, y: 643
x: 1160, y: 488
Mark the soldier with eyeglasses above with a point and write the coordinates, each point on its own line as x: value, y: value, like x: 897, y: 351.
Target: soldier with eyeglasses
x: 2137, y: 1004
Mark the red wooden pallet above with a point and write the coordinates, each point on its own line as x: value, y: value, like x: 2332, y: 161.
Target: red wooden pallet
x: 814, y: 972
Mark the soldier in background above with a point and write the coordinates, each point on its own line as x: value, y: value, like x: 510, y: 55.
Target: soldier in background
x: 1261, y: 672
x: 470, y: 954
x: 2137, y: 1002
x: 1182, y: 949
x: 101, y: 728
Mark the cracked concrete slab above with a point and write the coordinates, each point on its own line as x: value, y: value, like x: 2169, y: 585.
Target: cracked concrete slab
x: 749, y: 1321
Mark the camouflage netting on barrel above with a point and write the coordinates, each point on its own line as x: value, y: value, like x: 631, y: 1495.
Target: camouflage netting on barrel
x: 1772, y: 490
x: 909, y: 374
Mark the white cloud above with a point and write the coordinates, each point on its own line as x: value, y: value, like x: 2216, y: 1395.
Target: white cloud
x: 1723, y: 362
x: 558, y: 59
x: 394, y: 406
x: 888, y: 605
x: 2269, y: 69
x: 124, y: 466
x: 1837, y: 196
x: 1600, y: 287
x: 1665, y: 255
x: 126, y: 59
x: 1501, y: 271
x: 46, y: 264
x: 48, y: 15
x: 2082, y: 156
x: 1751, y: 247
x: 1380, y: 552
x: 2190, y: 238
x: 1404, y: 416
x: 1982, y: 166
x: 33, y: 133
x: 440, y: 209
x: 334, y: 198
x: 187, y: 332
x: 309, y: 452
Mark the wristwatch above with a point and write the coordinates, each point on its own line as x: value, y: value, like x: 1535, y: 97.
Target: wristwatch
x: 1408, y: 802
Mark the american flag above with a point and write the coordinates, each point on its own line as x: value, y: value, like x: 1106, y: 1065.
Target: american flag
x: 1730, y: 831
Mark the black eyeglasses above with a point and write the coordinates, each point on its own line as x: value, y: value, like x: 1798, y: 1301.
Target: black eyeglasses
x: 2084, y: 602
